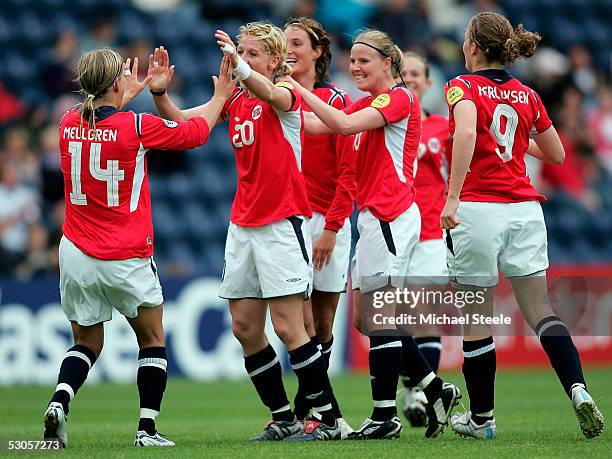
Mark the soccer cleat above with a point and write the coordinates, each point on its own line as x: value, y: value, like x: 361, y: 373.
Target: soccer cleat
x: 143, y: 440
x: 315, y: 430
x: 439, y: 409
x: 279, y: 430
x: 345, y: 428
x: 414, y: 402
x: 56, y: 423
x: 375, y: 430
x: 589, y: 417
x: 464, y: 425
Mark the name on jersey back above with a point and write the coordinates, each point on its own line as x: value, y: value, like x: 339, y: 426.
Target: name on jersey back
x: 515, y: 96
x: 99, y: 135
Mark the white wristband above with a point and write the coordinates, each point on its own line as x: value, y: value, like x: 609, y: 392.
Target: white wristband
x: 242, y: 70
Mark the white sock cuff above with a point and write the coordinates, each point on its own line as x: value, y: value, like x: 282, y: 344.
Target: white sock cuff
x: 156, y: 362
x: 486, y: 414
x: 148, y: 413
x: 265, y: 367
x: 387, y: 345
x: 282, y: 408
x: 384, y: 403
x: 78, y: 355
x: 65, y: 387
x: 479, y: 351
x: 308, y: 361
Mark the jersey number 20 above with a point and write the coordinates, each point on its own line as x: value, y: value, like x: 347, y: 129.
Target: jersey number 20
x: 505, y: 139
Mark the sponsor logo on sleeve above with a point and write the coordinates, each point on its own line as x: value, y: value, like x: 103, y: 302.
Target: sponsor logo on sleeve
x: 454, y: 95
x: 381, y: 101
x: 170, y: 124
x: 284, y: 84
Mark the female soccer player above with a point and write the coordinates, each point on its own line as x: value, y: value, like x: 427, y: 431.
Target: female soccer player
x: 268, y: 247
x: 493, y: 217
x: 328, y: 165
x: 389, y: 221
x: 106, y: 252
x: 427, y: 267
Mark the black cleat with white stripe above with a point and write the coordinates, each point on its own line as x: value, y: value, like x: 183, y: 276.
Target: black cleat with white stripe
x: 376, y: 430
x: 439, y: 409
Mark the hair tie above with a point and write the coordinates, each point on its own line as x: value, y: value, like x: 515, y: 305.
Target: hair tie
x: 91, y: 96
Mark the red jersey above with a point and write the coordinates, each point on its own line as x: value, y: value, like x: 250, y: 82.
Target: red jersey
x: 432, y: 172
x: 507, y: 111
x: 268, y: 148
x: 328, y: 164
x: 108, y: 207
x: 386, y: 156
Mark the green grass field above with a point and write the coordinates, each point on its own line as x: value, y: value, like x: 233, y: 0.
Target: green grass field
x: 534, y: 419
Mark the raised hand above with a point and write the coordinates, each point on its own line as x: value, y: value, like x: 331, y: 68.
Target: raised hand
x: 225, y: 83
x: 133, y: 87
x: 226, y: 45
x: 160, y: 69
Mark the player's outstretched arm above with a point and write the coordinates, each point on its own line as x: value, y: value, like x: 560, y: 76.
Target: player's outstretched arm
x: 546, y: 146
x: 280, y: 98
x: 464, y: 142
x: 161, y: 73
x: 336, y: 120
x: 133, y: 86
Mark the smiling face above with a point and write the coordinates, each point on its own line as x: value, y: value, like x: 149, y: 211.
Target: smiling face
x: 414, y: 76
x: 369, y: 68
x: 300, y: 54
x: 253, y: 52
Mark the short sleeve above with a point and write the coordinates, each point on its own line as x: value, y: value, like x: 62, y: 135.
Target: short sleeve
x: 455, y: 90
x: 541, y: 120
x: 297, y: 99
x: 395, y: 105
x: 160, y: 134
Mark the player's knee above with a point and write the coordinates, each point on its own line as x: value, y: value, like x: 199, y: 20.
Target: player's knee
x: 323, y: 327
x: 243, y: 331
x: 284, y: 331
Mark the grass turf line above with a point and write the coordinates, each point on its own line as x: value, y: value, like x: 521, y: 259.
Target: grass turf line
x: 534, y: 419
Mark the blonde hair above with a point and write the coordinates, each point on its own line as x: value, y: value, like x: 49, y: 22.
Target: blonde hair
x: 382, y: 43
x: 96, y: 72
x: 499, y: 42
x: 273, y: 40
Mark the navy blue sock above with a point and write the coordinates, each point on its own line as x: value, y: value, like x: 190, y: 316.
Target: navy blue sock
x: 479, y: 366
x: 73, y: 372
x: 151, y: 380
x: 385, y: 363
x: 430, y: 347
x: 562, y: 353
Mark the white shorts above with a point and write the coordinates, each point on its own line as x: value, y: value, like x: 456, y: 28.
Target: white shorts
x: 511, y: 236
x: 90, y: 288
x: 332, y: 278
x: 268, y: 261
x: 384, y: 249
x: 428, y: 263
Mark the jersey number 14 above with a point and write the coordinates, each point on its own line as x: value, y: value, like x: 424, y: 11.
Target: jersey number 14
x: 112, y: 175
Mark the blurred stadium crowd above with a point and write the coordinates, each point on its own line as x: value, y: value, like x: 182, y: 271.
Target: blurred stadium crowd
x: 40, y: 41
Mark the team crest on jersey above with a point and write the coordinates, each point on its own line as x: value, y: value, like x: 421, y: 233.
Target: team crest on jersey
x: 381, y: 101
x: 454, y: 94
x: 256, y: 113
x: 284, y: 84
x: 434, y: 145
x: 170, y: 124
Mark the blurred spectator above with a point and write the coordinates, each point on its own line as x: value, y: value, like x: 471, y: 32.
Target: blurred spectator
x: 406, y: 22
x: 58, y: 72
x: 102, y: 33
x: 11, y: 107
x: 600, y: 127
x: 40, y: 259
x: 50, y: 164
x: 17, y: 151
x: 582, y: 75
x: 18, y: 211
x: 345, y: 17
